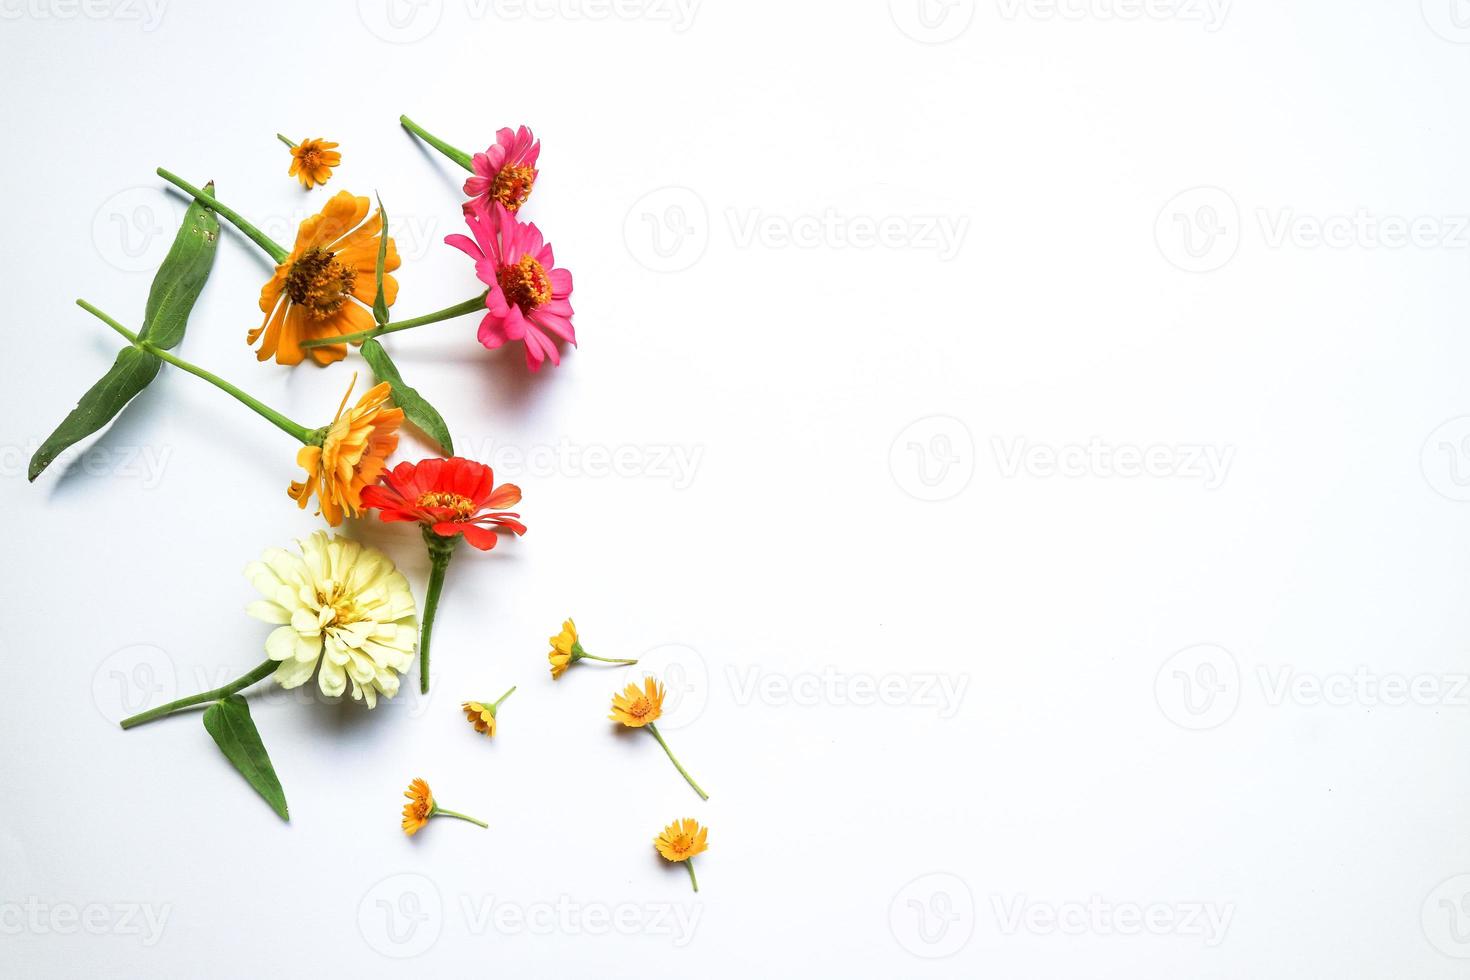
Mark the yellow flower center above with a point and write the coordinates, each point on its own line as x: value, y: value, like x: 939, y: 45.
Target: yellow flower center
x: 461, y: 505
x: 319, y: 283
x: 525, y: 284
x: 681, y: 843
x: 512, y: 186
x: 640, y: 707
x: 340, y: 600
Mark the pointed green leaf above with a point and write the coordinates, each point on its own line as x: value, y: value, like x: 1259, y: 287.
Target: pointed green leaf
x: 129, y: 374
x: 228, y: 723
x: 415, y: 407
x: 181, y: 277
x: 177, y: 285
x: 380, y: 301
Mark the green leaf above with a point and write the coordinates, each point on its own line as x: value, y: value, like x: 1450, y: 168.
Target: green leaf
x: 415, y: 407
x: 175, y: 288
x: 380, y: 301
x: 228, y: 723
x: 181, y: 277
x: 129, y: 374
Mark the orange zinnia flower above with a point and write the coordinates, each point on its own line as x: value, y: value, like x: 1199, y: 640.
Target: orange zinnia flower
x: 312, y: 162
x: 351, y: 456
x: 325, y: 288
x: 419, y: 808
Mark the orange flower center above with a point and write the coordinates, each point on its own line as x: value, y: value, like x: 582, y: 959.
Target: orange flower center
x: 640, y: 707
x: 512, y: 186
x: 525, y: 284
x: 463, y: 506
x: 318, y: 282
x: 681, y: 843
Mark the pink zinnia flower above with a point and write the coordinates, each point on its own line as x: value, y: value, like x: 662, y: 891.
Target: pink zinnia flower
x: 505, y: 172
x: 528, y: 296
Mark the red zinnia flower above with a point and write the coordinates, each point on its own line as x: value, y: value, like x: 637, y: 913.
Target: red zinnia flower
x: 449, y: 497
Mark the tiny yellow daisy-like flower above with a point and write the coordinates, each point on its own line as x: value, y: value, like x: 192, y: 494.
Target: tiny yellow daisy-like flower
x: 481, y: 714
x: 421, y: 806
x: 637, y: 708
x: 566, y: 649
x: 312, y: 160
x: 680, y: 841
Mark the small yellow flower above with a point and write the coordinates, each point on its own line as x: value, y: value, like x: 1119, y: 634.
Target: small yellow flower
x: 680, y: 841
x: 421, y: 806
x: 566, y: 649
x: 481, y: 714
x: 636, y: 708
x: 312, y: 161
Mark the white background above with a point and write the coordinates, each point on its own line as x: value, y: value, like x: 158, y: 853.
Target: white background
x: 1175, y: 232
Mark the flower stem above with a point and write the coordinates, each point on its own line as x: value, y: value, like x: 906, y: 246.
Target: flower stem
x: 689, y: 864
x: 280, y: 421
x: 606, y: 660
x: 286, y: 141
x: 505, y: 695
x: 440, y: 551
x: 259, y: 673
x: 687, y: 778
x: 439, y: 811
x: 253, y: 233
x: 458, y: 156
x: 448, y: 313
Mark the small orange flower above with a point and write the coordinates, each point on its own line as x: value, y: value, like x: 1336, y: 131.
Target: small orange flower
x: 351, y: 456
x: 481, y: 714
x: 312, y: 162
x: 680, y: 841
x: 636, y: 708
x: 420, y: 807
x: 325, y: 288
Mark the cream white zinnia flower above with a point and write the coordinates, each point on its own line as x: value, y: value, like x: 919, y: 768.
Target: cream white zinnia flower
x: 340, y: 603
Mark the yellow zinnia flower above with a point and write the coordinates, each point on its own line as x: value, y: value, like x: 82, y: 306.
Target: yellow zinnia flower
x: 421, y: 806
x: 636, y: 708
x: 481, y: 714
x: 325, y: 288
x: 566, y: 649
x: 352, y: 455
x: 312, y: 161
x: 680, y: 841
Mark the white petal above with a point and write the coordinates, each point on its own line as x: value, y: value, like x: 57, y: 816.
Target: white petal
x: 293, y: 673
x: 267, y: 612
x: 281, y: 644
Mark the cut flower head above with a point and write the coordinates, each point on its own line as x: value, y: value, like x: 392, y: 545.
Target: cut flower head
x: 352, y: 455
x: 527, y: 297
x: 325, y: 288
x: 637, y: 708
x: 448, y: 497
x: 339, y: 604
x: 504, y: 173
x: 566, y: 649
x: 422, y: 807
x: 681, y: 840
x: 312, y: 161
x: 481, y: 714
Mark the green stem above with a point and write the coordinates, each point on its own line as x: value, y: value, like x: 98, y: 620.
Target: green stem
x: 439, y: 811
x: 257, y: 236
x: 687, y: 778
x: 458, y: 156
x: 689, y: 864
x: 448, y: 313
x: 286, y: 141
x: 440, y: 551
x: 606, y: 660
x: 504, y: 696
x: 259, y: 673
x: 280, y: 421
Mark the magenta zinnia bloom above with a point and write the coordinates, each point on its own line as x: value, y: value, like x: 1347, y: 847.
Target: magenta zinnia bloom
x: 505, y: 172
x: 528, y: 296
